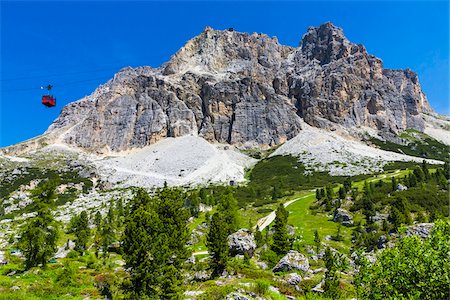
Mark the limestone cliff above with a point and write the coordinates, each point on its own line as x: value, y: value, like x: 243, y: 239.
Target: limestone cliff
x: 245, y: 89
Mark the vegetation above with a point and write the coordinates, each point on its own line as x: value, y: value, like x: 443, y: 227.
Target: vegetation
x: 414, y: 269
x: 421, y: 146
x: 154, y: 244
x: 39, y: 234
x: 136, y: 248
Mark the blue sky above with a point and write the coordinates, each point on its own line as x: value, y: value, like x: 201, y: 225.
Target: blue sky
x: 78, y: 45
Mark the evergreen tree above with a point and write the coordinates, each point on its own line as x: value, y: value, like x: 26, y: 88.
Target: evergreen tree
x: 317, y: 240
x: 318, y: 195
x: 330, y: 193
x: 194, y: 204
x: 154, y: 244
x: 347, y: 184
x: 396, y: 218
x: 342, y: 193
x: 322, y: 193
x: 39, y: 234
x: 228, y: 207
x: 368, y: 209
x: 217, y: 243
x: 331, y: 282
x: 281, y: 243
x: 394, y: 184
x: 425, y: 170
x: 98, y: 219
x: 81, y: 231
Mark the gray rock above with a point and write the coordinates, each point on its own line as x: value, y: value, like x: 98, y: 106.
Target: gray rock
x: 401, y: 187
x: 242, y: 242
x: 293, y: 260
x: 423, y: 229
x: 341, y: 215
x: 293, y: 278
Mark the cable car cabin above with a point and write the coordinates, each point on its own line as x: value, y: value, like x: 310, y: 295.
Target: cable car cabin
x: 48, y: 100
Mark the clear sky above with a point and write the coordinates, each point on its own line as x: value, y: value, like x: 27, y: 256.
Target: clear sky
x: 78, y: 45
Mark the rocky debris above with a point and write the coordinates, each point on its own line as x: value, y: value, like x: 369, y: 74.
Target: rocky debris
x: 245, y: 89
x: 319, y: 288
x: 423, y: 229
x: 380, y: 217
x: 242, y: 242
x: 262, y: 265
x: 343, y: 216
x: 192, y: 294
x: 319, y: 270
x: 236, y: 296
x: 370, y: 256
x: 384, y: 243
x: 401, y: 187
x: 293, y: 260
x: 65, y: 249
x: 293, y: 278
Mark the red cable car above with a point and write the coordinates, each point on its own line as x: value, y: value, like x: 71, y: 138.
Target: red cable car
x: 48, y: 100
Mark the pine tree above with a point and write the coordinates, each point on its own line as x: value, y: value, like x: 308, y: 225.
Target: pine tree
x: 331, y: 282
x: 368, y: 209
x: 81, y: 231
x: 393, y: 184
x: 330, y: 192
x: 154, y: 244
x: 317, y: 240
x: 217, y: 243
x: 228, y: 207
x: 39, y: 234
x: 342, y: 193
x: 281, y: 243
x: 347, y: 184
x: 318, y: 195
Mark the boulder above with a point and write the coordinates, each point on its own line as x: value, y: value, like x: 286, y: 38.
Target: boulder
x: 293, y: 278
x: 293, y: 260
x: 341, y: 215
x: 242, y: 242
x: 401, y: 187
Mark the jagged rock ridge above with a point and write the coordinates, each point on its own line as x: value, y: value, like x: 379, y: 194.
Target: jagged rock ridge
x: 245, y: 89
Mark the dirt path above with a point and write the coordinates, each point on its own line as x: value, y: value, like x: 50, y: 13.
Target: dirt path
x: 265, y: 221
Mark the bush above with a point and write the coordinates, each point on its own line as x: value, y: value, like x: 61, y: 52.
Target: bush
x: 414, y: 269
x: 261, y: 287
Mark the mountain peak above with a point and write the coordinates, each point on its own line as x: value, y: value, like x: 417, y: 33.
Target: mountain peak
x: 327, y: 43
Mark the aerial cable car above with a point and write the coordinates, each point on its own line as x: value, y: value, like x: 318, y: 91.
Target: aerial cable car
x: 48, y: 100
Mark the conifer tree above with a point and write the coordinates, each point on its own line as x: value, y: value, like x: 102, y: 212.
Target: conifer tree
x: 154, y: 244
x: 281, y: 243
x: 39, y: 234
x: 217, y: 243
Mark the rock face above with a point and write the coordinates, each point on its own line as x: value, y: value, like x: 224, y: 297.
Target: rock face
x: 293, y: 260
x: 245, y: 89
x: 241, y: 242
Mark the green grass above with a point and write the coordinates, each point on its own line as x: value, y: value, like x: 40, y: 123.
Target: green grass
x: 275, y: 177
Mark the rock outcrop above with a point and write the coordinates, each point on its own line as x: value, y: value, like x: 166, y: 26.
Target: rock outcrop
x: 241, y: 242
x: 293, y: 260
x: 343, y: 216
x: 248, y: 90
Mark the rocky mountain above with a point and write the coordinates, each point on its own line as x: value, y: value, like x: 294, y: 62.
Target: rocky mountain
x: 247, y: 90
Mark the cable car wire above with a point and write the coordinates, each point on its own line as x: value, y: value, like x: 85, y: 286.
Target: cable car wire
x: 56, y: 85
x: 59, y: 74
